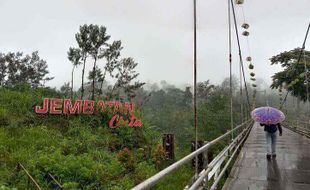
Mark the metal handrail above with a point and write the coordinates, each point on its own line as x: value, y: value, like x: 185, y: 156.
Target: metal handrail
x: 304, y: 122
x: 212, y: 165
x: 217, y: 180
x: 297, y: 123
x: 294, y: 125
x: 148, y: 183
x: 205, y: 173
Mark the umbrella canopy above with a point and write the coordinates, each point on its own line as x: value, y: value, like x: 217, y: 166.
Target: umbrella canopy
x: 267, y: 115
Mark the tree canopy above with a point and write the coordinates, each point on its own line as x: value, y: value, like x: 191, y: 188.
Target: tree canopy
x: 16, y: 69
x: 296, y: 65
x: 93, y: 43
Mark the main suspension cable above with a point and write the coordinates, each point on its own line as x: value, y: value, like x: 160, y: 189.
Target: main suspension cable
x: 249, y: 58
x: 195, y: 89
x: 240, y: 54
x: 306, y: 82
x: 230, y: 71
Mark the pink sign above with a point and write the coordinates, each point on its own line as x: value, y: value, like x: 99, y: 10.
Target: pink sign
x: 66, y: 106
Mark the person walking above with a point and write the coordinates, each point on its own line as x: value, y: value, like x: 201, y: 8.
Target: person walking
x: 271, y: 138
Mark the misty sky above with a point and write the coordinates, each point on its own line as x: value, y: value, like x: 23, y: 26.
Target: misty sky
x: 158, y: 34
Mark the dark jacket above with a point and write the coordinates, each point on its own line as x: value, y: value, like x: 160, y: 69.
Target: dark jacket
x: 267, y: 127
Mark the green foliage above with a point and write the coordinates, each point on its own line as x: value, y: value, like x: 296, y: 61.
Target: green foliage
x: 143, y: 170
x: 15, y: 102
x: 83, y: 153
x: 80, y: 151
x: 93, y: 42
x: 4, y: 117
x: 79, y: 160
x: 16, y: 69
x: 177, y: 180
x: 292, y: 78
x: 70, y: 186
x: 3, y: 187
x: 204, y: 89
x: 125, y: 156
x: 159, y: 157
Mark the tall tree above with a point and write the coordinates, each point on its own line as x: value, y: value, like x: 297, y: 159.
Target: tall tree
x: 65, y: 89
x: 13, y: 61
x: 98, y: 76
x: 74, y: 55
x: 225, y: 85
x: 98, y: 38
x: 3, y: 69
x: 93, y: 42
x: 292, y: 78
x: 38, y: 67
x: 188, y: 96
x: 84, y: 43
x: 204, y: 89
x: 125, y: 75
x: 111, y: 55
x: 17, y: 69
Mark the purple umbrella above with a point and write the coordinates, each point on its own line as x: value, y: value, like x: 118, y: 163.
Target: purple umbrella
x: 267, y: 115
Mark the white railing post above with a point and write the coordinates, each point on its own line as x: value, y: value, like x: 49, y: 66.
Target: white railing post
x: 206, y: 162
x: 148, y: 183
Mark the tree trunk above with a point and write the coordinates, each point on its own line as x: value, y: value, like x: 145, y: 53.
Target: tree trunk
x: 116, y: 84
x: 71, y: 94
x: 101, y: 84
x: 83, y: 71
x: 94, y: 77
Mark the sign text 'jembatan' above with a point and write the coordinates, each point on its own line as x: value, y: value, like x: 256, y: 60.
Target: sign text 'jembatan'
x: 65, y: 106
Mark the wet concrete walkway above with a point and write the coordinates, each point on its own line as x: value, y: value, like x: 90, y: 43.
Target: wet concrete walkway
x: 289, y: 171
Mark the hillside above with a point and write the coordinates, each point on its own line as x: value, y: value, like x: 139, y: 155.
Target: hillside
x: 80, y: 151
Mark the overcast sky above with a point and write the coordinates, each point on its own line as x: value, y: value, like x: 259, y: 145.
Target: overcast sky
x: 158, y: 34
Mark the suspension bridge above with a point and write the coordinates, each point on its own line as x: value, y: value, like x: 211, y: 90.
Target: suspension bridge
x: 243, y: 162
x: 290, y: 170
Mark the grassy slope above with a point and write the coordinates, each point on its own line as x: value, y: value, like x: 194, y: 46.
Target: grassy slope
x: 81, y: 151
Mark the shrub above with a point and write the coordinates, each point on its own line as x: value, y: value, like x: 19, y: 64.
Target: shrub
x: 70, y: 186
x: 4, y: 117
x: 125, y: 156
x: 143, y: 171
x: 159, y: 156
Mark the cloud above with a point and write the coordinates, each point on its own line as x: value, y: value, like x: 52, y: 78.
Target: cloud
x: 156, y: 33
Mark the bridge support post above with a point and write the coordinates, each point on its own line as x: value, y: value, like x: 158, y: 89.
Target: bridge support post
x: 200, y: 156
x: 205, y: 166
x: 168, y: 144
x: 205, y: 184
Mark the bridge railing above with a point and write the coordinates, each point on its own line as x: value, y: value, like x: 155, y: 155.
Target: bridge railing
x: 299, y: 126
x: 213, y: 169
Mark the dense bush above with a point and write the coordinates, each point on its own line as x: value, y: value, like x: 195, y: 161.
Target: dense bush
x: 80, y: 151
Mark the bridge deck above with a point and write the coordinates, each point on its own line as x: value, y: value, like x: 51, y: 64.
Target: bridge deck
x: 289, y: 171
